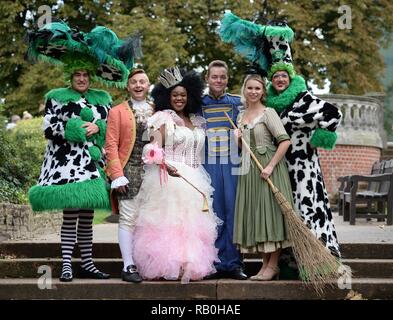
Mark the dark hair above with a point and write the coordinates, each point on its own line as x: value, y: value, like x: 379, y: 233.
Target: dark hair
x: 194, y: 86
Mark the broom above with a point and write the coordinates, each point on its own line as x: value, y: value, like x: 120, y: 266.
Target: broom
x: 205, y: 207
x: 317, y: 266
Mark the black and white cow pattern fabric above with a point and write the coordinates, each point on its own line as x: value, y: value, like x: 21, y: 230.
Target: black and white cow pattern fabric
x: 300, y: 120
x: 279, y: 49
x: 65, y: 161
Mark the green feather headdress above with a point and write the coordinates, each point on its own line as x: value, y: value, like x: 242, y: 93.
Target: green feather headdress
x: 100, y: 52
x: 267, y: 46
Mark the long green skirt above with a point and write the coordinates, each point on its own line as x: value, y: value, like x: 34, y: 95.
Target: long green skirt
x: 259, y: 225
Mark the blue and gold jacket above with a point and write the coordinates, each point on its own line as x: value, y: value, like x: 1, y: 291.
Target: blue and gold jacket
x: 217, y: 125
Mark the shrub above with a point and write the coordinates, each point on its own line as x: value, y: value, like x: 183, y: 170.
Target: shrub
x: 21, y: 155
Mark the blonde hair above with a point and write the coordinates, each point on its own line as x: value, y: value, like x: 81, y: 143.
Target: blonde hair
x: 255, y: 77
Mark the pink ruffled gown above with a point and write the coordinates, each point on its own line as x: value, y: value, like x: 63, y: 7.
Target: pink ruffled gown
x: 173, y: 238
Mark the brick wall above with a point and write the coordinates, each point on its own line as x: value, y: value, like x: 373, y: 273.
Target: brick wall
x: 346, y: 160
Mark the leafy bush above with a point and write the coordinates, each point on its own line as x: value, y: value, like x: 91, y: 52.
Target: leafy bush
x: 21, y: 155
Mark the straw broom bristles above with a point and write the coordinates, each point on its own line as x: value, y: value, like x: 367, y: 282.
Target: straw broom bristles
x: 317, y: 266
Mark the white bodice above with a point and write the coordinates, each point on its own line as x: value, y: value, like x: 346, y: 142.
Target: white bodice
x: 182, y: 144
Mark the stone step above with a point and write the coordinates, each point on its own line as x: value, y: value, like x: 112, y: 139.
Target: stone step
x: 202, y: 290
x: 29, y: 267
x: 19, y: 249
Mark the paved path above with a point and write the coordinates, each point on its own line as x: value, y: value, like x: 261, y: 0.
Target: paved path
x: 363, y: 232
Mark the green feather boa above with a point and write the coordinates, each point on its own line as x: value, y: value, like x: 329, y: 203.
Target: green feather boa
x: 280, y: 102
x: 93, y: 96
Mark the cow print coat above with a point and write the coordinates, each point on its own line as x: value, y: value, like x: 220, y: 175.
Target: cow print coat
x: 301, y: 119
x: 70, y: 177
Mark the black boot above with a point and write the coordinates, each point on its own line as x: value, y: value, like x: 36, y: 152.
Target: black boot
x: 131, y: 275
x: 93, y: 275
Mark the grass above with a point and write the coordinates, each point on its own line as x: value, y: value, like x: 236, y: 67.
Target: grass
x: 100, y: 216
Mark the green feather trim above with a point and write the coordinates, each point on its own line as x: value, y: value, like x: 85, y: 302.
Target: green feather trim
x: 100, y: 139
x: 119, y: 66
x: 280, y: 102
x: 323, y: 138
x: 93, y: 96
x: 87, y: 114
x: 282, y: 66
x: 80, y: 52
x: 284, y: 32
x: 90, y: 194
x: 77, y: 61
x: 74, y: 132
x: 95, y: 153
x: 72, y: 46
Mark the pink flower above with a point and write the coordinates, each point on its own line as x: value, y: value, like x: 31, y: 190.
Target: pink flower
x: 153, y: 154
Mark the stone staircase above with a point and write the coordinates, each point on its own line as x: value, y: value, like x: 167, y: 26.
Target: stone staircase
x: 22, y: 277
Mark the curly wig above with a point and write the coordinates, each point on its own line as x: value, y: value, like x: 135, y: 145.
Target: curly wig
x: 194, y: 86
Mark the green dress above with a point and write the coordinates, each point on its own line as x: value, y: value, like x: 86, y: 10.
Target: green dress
x: 259, y: 225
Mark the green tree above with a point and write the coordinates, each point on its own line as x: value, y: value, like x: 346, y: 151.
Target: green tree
x: 184, y: 32
x: 22, y: 84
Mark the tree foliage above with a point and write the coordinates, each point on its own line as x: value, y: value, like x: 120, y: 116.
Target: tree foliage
x: 184, y: 33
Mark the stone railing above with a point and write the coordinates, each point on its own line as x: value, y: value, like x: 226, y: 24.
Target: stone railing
x: 20, y: 222
x: 362, y: 122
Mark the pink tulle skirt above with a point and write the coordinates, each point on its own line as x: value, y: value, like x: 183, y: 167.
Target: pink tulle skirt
x: 174, y: 239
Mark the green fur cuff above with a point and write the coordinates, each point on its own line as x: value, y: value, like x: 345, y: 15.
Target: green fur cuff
x: 74, y: 131
x: 280, y: 102
x: 323, y: 138
x: 90, y: 194
x: 95, y: 153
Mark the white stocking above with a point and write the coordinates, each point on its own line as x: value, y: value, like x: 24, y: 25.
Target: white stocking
x: 126, y: 243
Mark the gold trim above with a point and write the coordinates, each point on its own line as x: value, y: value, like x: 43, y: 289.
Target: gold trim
x: 219, y: 138
x: 218, y: 129
x: 215, y: 110
x: 219, y: 149
x: 216, y: 119
x: 109, y: 164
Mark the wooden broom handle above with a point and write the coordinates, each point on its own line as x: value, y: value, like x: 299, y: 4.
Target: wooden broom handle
x: 251, y: 153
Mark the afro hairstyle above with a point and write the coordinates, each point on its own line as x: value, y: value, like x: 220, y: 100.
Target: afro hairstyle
x: 194, y: 86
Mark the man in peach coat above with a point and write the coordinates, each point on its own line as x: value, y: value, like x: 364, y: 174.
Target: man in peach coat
x: 124, y: 143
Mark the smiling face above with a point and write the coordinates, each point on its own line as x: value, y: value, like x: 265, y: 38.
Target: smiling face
x: 280, y: 81
x: 179, y: 99
x: 217, y: 79
x: 138, y: 86
x: 80, y: 81
x: 253, y: 91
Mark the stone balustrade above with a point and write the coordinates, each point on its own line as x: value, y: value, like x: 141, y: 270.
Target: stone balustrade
x: 362, y: 122
x: 361, y: 137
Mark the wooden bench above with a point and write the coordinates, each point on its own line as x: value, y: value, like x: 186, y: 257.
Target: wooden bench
x: 376, y: 201
x: 344, y: 187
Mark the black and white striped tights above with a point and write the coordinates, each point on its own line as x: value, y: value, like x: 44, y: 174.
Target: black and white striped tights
x: 83, y: 233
